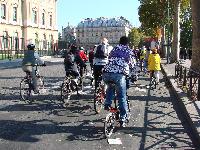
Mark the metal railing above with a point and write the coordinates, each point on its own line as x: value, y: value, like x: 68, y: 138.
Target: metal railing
x: 14, y: 48
x: 188, y: 80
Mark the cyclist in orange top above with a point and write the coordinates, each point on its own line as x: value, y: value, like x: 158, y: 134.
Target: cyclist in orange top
x: 154, y: 64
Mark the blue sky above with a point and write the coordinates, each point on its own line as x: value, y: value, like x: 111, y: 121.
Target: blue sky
x: 73, y: 11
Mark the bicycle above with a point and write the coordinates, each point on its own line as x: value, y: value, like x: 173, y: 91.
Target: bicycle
x: 114, y: 115
x: 26, y: 84
x: 83, y: 72
x: 153, y: 83
x: 99, y: 95
x: 68, y: 86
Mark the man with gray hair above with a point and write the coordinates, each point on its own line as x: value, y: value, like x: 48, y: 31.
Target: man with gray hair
x: 101, y: 53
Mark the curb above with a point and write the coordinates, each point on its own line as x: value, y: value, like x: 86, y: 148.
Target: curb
x: 186, y: 105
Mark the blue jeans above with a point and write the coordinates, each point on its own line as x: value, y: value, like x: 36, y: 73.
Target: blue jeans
x: 120, y: 87
x: 145, y: 66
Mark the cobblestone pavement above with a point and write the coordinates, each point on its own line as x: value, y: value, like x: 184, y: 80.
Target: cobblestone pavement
x: 155, y: 123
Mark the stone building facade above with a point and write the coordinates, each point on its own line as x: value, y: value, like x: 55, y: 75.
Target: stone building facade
x: 69, y: 35
x: 90, y: 31
x: 24, y: 21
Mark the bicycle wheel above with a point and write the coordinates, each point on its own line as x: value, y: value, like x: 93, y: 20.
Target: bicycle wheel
x: 154, y: 83
x: 99, y: 99
x: 109, y: 124
x: 25, y: 90
x: 65, y: 92
x: 40, y: 83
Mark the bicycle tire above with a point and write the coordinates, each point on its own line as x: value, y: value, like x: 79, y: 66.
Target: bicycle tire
x: 154, y: 83
x: 25, y: 91
x: 65, y: 92
x: 99, y: 99
x: 40, y: 82
x: 109, y: 124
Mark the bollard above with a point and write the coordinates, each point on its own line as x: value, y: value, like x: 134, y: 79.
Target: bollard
x: 176, y: 70
x: 190, y: 85
x: 184, y: 77
x: 181, y: 73
x: 198, y: 91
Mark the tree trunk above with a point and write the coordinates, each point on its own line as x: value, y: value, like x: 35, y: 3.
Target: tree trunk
x: 164, y: 51
x: 195, y: 64
x: 176, y: 33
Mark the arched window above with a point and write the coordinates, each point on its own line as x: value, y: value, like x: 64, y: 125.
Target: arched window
x: 50, y: 20
x: 44, y: 41
x: 3, y: 11
x: 34, y: 16
x: 14, y: 13
x: 43, y: 18
x: 5, y: 39
x: 36, y: 40
x: 51, y: 41
x: 16, y: 39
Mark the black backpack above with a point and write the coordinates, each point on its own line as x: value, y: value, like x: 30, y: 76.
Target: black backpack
x: 69, y: 59
x: 100, y: 52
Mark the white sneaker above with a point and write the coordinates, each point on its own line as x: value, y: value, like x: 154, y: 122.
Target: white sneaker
x: 76, y: 81
x: 34, y: 93
x: 42, y: 91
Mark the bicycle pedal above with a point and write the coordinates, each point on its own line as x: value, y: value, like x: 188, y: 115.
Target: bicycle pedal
x: 34, y: 93
x: 65, y: 105
x: 42, y: 91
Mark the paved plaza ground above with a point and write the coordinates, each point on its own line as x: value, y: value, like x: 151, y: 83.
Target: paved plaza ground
x: 157, y: 120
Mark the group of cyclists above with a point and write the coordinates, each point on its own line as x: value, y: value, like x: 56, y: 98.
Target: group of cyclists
x: 111, y: 64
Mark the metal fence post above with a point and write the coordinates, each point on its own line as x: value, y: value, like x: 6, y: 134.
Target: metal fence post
x: 181, y: 73
x: 198, y: 94
x: 184, y: 77
x: 190, y: 86
x: 176, y: 70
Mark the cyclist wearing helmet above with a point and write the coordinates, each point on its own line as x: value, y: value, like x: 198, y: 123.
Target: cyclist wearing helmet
x: 31, y: 58
x: 71, y: 61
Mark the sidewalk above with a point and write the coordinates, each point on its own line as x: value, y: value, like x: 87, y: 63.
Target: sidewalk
x: 190, y: 108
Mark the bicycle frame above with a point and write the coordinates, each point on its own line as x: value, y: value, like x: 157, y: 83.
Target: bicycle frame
x: 99, y: 96
x: 66, y: 88
x: 152, y: 79
x: 25, y: 92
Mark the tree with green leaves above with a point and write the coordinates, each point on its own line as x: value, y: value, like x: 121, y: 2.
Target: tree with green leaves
x: 59, y: 36
x: 152, y: 15
x: 167, y: 14
x: 186, y: 28
x: 135, y: 36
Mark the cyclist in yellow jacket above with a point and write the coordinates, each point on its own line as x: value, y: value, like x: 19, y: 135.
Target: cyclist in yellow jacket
x: 154, y: 64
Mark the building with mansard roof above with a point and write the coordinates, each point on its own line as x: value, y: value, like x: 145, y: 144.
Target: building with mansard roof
x: 69, y: 35
x: 89, y: 31
x: 24, y: 21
